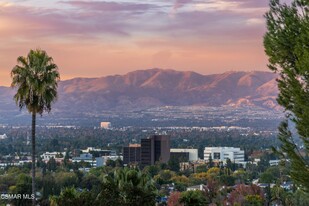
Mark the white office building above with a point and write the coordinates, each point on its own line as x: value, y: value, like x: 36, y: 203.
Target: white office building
x: 56, y: 155
x: 95, y: 161
x: 221, y: 154
x: 193, y: 153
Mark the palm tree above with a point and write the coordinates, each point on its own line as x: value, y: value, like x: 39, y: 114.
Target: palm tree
x: 127, y: 187
x: 71, y: 197
x: 35, y: 78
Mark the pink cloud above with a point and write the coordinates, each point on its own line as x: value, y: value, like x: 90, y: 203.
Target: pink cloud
x: 111, y: 6
x: 95, y: 38
x: 44, y: 22
x: 179, y: 3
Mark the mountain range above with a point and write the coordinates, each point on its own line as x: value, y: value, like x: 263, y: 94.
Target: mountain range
x: 157, y: 87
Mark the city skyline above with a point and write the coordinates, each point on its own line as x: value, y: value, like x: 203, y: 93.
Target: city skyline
x: 99, y: 38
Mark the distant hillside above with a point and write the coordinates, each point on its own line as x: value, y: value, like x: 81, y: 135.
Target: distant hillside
x: 157, y: 87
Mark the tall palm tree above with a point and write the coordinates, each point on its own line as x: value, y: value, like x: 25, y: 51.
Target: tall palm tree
x: 35, y: 77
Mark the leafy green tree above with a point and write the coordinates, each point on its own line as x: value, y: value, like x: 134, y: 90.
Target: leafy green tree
x: 66, y: 179
x: 253, y: 200
x: 266, y: 177
x: 152, y: 170
x: 226, y: 177
x: 287, y: 46
x: 22, y: 187
x: 240, y: 176
x: 164, y: 177
x: 271, y: 175
x: 49, y: 186
x: 201, y: 168
x: 193, y: 198
x: 97, y: 171
x: 90, y: 182
x: 180, y: 186
x: 300, y: 198
x: 278, y: 196
x: 213, y: 173
x: 35, y: 77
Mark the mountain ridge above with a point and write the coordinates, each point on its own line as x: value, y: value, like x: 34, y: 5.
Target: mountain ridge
x: 159, y: 87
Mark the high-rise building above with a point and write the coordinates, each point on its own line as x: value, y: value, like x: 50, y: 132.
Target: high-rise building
x: 132, y: 154
x: 155, y: 148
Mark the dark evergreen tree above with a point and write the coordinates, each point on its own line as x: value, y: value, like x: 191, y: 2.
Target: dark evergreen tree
x: 173, y: 164
x: 210, y: 162
x: 51, y: 165
x: 287, y: 46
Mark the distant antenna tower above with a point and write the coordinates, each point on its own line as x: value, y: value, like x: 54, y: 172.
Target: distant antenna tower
x: 28, y: 139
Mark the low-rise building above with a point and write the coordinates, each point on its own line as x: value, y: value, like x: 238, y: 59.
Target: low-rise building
x: 58, y: 156
x: 274, y: 162
x: 196, y: 187
x: 184, y: 155
x: 95, y: 161
x: 90, y: 149
x: 113, y: 158
x: 85, y: 158
x: 99, y: 152
x: 221, y: 154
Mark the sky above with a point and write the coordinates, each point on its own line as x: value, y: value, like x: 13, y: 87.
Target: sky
x: 98, y: 38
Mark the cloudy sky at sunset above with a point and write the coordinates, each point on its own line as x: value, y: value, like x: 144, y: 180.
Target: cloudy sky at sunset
x: 97, y: 38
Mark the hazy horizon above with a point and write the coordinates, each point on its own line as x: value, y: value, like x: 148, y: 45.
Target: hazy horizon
x: 100, y: 38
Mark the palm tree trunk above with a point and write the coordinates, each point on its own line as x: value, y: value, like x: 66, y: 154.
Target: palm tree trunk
x: 33, y: 157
